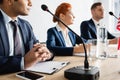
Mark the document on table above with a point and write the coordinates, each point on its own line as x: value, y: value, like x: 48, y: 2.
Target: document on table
x: 48, y: 67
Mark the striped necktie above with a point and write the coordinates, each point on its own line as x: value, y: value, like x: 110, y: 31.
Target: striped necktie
x: 16, y: 38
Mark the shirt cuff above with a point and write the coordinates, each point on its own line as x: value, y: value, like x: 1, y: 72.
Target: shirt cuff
x: 22, y: 63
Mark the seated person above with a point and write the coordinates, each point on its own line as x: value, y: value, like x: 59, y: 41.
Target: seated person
x: 88, y: 28
x: 60, y: 40
x: 19, y: 48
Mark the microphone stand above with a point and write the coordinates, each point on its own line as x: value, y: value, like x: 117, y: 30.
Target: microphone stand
x: 111, y: 13
x: 79, y: 72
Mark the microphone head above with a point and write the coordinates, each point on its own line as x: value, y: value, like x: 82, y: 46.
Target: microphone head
x: 44, y: 7
x: 111, y: 13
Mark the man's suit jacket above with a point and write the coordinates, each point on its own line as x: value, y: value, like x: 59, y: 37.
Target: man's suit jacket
x: 13, y: 63
x: 88, y: 30
x: 56, y: 43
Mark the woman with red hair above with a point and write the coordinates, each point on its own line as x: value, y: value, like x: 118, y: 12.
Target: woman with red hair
x: 60, y: 40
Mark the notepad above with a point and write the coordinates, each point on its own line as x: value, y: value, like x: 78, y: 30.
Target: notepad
x: 48, y: 67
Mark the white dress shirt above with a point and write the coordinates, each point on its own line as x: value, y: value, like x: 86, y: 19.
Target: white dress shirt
x: 65, y: 36
x: 97, y: 24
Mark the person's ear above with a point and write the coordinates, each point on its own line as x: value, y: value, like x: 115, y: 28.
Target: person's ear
x: 62, y: 16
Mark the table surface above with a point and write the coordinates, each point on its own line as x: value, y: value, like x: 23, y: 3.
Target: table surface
x: 109, y: 68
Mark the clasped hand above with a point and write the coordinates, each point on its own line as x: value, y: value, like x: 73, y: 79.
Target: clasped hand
x: 80, y: 49
x: 37, y: 54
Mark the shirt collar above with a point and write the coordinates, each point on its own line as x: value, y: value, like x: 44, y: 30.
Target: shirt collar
x: 96, y: 22
x: 7, y: 19
x: 59, y: 28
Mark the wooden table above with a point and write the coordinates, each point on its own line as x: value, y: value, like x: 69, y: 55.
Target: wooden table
x: 109, y: 68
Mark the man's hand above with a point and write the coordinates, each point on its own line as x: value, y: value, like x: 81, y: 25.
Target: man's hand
x: 38, y: 53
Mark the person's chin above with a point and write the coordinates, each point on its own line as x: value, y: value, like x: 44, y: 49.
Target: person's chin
x: 102, y: 17
x: 25, y: 13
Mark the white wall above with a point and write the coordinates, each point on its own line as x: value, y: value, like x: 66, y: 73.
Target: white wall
x: 109, y: 21
x: 41, y: 20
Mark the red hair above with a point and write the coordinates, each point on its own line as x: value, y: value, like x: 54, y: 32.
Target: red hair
x: 62, y: 8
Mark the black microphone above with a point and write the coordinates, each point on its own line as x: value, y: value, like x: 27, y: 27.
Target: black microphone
x: 111, y: 13
x: 80, y: 72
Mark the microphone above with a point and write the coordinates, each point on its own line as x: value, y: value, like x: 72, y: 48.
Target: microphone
x: 111, y: 13
x: 80, y: 72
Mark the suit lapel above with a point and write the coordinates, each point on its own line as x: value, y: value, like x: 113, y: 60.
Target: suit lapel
x: 23, y: 31
x: 71, y: 37
x: 92, y: 26
x: 60, y: 36
x: 4, y: 35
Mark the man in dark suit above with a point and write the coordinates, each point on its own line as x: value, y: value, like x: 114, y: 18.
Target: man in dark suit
x: 88, y: 28
x: 31, y: 51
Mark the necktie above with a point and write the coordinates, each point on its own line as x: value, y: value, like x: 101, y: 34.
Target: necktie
x: 17, y: 44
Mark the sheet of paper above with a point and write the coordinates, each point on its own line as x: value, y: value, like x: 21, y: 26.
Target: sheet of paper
x: 48, y: 67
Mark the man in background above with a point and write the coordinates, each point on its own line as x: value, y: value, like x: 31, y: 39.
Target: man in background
x: 88, y: 28
x: 19, y: 49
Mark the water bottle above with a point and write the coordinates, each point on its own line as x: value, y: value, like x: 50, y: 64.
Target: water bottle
x: 101, y: 42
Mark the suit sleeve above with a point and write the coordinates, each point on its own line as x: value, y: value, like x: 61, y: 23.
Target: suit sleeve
x: 10, y: 64
x: 54, y: 45
x: 110, y: 36
x: 84, y: 30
